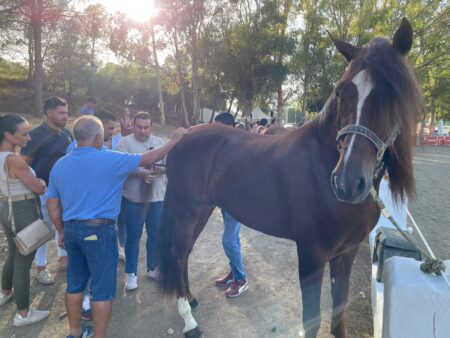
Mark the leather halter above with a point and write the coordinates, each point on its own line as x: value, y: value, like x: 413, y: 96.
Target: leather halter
x: 376, y: 141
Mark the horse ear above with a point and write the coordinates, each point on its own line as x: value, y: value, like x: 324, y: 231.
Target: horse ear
x: 402, y: 40
x: 349, y: 51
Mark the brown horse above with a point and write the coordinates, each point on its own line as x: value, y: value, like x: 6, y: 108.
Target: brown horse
x: 320, y: 177
x: 276, y: 130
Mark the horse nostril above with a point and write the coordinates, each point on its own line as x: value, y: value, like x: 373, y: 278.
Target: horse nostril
x: 361, y: 187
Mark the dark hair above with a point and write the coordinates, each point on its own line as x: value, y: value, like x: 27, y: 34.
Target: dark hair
x: 143, y: 115
x: 8, y: 124
x: 104, y: 115
x: 225, y: 118
x: 263, y: 122
x: 91, y: 100
x: 53, y: 102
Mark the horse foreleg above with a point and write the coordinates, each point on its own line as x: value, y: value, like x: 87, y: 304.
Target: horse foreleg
x: 340, y: 269
x: 311, y: 270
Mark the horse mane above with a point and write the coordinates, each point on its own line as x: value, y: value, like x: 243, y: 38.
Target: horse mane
x: 398, y: 92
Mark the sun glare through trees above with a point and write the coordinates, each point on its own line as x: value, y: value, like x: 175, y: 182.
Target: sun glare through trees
x: 139, y: 10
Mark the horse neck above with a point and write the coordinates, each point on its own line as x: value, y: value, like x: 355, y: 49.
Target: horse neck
x: 325, y: 124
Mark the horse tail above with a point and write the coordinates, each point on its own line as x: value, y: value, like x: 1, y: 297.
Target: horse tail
x: 169, y: 270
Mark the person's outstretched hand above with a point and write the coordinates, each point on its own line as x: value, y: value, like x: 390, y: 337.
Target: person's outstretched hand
x: 178, y: 134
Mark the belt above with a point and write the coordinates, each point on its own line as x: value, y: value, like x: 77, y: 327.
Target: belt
x: 18, y: 198
x: 94, y: 221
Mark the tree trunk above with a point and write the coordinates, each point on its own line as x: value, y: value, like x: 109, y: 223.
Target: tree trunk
x: 279, y: 103
x: 184, y: 111
x: 305, y: 99
x: 216, y: 94
x: 195, y: 78
x: 30, y: 57
x: 93, y: 68
x: 158, y: 78
x: 36, y: 24
x: 286, y: 10
x: 231, y: 103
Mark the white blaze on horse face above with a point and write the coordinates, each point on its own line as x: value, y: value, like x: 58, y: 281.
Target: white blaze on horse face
x: 364, y: 86
x: 184, y: 309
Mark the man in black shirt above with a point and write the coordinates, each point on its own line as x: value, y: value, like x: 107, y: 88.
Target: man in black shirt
x: 48, y: 144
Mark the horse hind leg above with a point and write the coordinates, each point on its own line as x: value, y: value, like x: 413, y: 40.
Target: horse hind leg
x: 311, y: 270
x: 191, y: 328
x: 206, y: 213
x: 340, y: 269
x: 176, y: 232
x: 185, y: 299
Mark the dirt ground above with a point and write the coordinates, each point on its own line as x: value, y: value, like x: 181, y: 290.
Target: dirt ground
x: 272, y: 305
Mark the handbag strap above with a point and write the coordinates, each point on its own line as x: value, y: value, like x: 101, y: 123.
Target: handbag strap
x: 10, y: 208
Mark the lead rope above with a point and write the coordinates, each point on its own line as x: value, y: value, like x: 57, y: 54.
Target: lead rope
x: 431, y: 264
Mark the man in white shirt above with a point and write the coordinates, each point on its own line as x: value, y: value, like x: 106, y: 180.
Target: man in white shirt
x: 142, y: 198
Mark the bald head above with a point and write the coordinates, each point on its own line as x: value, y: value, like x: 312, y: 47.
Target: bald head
x: 88, y: 130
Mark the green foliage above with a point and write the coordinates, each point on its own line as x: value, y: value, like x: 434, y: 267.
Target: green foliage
x: 132, y: 83
x: 220, y: 52
x: 12, y: 71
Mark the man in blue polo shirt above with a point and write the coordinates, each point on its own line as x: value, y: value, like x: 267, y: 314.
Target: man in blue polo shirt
x: 84, y: 202
x: 48, y: 143
x: 88, y: 108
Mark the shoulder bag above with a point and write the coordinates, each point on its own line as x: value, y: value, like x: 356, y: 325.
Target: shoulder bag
x: 34, y: 234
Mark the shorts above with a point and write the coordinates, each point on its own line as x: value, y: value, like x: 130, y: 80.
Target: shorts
x: 92, y: 252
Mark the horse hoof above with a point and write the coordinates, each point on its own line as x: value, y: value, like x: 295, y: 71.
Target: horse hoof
x: 193, y: 303
x: 194, y: 333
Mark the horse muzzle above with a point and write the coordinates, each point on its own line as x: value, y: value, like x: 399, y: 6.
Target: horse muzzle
x: 350, y: 188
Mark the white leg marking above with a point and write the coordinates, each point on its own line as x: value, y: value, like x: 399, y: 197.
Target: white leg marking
x: 364, y: 85
x: 184, y: 309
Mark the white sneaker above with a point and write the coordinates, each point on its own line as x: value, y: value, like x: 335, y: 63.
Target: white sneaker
x: 122, y: 254
x: 34, y: 316
x: 5, y: 299
x: 153, y: 274
x: 131, y: 281
x: 45, y: 277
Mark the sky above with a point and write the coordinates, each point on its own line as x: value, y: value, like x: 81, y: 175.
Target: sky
x: 139, y: 10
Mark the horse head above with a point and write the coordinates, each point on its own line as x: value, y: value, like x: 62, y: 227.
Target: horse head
x: 377, y: 103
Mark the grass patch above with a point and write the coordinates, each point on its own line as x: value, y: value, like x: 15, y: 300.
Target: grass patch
x: 12, y: 71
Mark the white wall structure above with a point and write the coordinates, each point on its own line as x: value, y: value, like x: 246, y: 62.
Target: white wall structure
x: 398, y: 212
x: 416, y: 304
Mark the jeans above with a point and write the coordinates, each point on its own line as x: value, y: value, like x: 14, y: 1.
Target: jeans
x: 136, y: 214
x: 232, y: 245
x: 121, y: 229
x: 16, y: 270
x: 41, y: 255
x: 92, y: 253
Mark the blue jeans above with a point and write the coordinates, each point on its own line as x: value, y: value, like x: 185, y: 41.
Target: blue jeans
x: 232, y: 245
x: 136, y: 214
x: 121, y: 229
x: 91, y: 253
